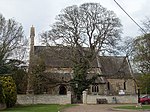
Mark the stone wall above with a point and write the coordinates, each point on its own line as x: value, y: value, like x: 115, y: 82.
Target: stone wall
x: 92, y: 99
x: 44, y: 99
x: 118, y: 84
x: 115, y: 85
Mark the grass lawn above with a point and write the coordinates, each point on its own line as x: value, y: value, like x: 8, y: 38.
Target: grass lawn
x: 37, y: 108
x: 144, y: 107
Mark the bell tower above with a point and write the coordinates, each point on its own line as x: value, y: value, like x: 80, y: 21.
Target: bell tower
x: 31, y: 57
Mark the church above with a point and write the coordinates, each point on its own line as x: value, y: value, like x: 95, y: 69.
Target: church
x: 115, y: 72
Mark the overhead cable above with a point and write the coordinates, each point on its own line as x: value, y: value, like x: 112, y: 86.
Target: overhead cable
x: 144, y: 32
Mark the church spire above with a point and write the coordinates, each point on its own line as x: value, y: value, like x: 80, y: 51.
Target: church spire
x: 32, y: 35
x: 32, y: 32
x: 31, y: 57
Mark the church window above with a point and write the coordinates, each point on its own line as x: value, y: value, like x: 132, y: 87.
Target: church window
x: 108, y: 85
x: 95, y: 88
x: 124, y: 85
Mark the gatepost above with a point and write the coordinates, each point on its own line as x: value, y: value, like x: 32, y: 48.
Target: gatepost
x: 84, y: 93
x: 69, y: 97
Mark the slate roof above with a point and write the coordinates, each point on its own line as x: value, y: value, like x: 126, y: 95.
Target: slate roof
x: 58, y: 77
x: 111, y: 66
x: 115, y: 66
x: 54, y: 56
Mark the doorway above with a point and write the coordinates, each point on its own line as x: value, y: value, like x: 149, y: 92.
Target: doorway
x: 62, y: 90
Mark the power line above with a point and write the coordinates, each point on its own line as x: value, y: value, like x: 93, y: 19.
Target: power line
x: 144, y: 32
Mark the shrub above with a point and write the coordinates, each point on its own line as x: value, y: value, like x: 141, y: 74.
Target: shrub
x: 9, y: 89
x: 20, y: 79
x: 2, y: 96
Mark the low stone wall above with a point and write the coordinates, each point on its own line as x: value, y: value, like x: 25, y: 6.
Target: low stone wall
x: 92, y: 99
x: 44, y: 99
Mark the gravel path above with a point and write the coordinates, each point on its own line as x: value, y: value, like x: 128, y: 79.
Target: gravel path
x: 97, y: 108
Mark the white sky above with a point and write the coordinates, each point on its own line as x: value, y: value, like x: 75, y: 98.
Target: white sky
x: 42, y: 13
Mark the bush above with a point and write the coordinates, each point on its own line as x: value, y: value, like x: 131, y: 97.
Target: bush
x: 20, y: 79
x: 9, y: 89
x: 2, y: 96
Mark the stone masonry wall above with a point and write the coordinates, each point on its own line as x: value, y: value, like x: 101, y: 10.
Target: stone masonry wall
x: 44, y: 99
x: 112, y: 99
x: 118, y: 84
x: 92, y: 99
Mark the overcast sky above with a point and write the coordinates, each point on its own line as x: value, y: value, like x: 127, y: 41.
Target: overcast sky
x: 42, y: 13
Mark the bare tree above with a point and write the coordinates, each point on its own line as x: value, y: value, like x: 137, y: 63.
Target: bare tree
x: 138, y: 49
x: 12, y: 40
x: 89, y: 25
x: 146, y: 24
x: 141, y: 54
x: 88, y: 30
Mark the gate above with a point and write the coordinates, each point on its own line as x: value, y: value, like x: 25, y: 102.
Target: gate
x: 76, y: 99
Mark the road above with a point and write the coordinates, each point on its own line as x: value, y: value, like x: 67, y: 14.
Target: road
x: 98, y: 108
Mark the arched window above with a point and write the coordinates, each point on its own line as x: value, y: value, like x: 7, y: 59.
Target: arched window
x: 108, y: 85
x: 124, y: 85
x: 62, y: 90
x: 95, y: 88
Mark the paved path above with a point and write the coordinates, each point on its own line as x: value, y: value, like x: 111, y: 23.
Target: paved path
x: 98, y: 108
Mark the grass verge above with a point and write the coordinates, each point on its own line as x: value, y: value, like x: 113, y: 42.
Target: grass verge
x: 37, y: 108
x: 144, y: 107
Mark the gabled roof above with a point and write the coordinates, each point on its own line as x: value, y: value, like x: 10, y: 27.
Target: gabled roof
x: 115, y: 66
x: 111, y: 66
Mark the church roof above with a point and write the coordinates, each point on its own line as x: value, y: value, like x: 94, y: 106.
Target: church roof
x: 115, y: 66
x: 57, y: 77
x: 111, y: 66
x: 54, y: 56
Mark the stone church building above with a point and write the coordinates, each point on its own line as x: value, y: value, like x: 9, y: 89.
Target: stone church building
x: 115, y: 75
